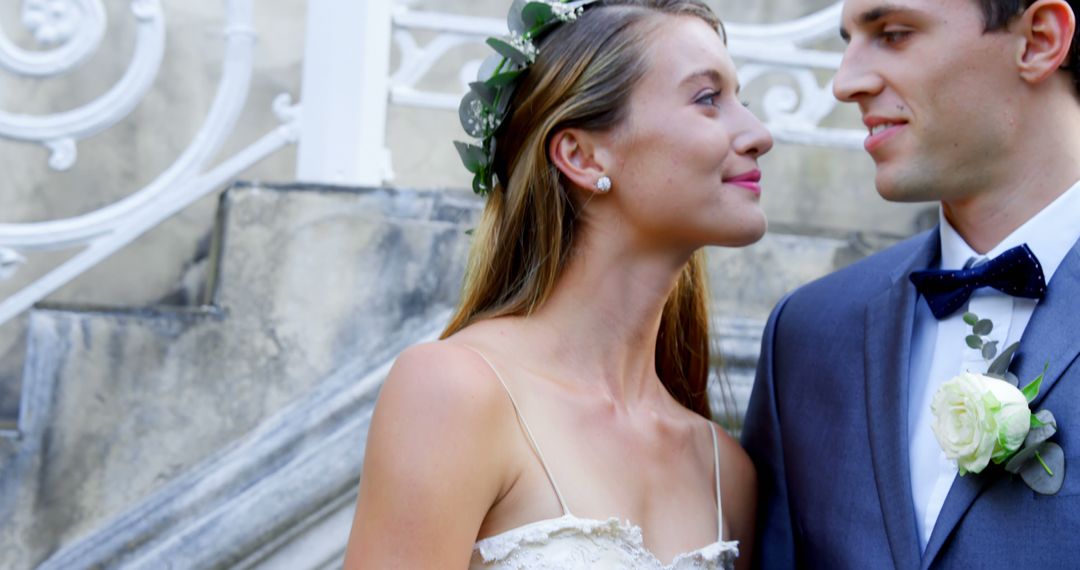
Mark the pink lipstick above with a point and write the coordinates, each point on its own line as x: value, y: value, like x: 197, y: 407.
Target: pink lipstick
x: 749, y: 180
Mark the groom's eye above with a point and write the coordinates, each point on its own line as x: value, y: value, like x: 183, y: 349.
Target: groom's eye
x: 893, y: 37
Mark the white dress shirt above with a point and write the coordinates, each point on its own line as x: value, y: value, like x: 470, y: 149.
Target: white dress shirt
x: 939, y: 352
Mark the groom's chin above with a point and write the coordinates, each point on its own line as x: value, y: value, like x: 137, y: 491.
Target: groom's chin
x: 894, y: 186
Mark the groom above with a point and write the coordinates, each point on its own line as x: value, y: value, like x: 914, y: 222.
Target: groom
x: 974, y: 104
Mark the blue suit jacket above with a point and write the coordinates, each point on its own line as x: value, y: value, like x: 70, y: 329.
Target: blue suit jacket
x: 827, y: 429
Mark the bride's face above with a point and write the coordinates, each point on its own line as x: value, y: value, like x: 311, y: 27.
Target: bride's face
x: 687, y: 153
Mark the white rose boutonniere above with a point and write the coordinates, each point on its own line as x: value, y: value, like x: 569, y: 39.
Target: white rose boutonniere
x: 984, y: 418
x: 979, y: 418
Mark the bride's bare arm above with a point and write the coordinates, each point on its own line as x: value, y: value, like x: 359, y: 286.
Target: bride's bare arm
x: 433, y: 465
x: 738, y: 485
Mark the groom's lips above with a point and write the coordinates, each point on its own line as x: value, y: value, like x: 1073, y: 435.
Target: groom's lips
x: 891, y: 128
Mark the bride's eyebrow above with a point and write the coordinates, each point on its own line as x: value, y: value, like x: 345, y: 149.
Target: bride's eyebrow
x: 711, y: 74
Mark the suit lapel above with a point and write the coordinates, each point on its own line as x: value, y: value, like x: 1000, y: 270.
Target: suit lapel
x: 890, y: 318
x: 1047, y: 338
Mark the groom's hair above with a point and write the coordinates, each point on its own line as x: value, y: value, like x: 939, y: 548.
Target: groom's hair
x: 999, y: 13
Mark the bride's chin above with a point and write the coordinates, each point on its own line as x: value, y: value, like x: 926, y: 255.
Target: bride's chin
x: 745, y: 235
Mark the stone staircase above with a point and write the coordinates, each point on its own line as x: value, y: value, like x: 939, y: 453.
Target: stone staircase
x: 229, y: 433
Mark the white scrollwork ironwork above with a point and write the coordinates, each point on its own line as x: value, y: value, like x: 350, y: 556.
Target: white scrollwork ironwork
x: 794, y: 114
x: 51, y: 22
x: 104, y: 231
x: 73, y: 28
x: 58, y: 132
x: 10, y: 260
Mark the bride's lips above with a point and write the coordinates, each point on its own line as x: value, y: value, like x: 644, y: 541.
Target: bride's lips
x: 749, y: 180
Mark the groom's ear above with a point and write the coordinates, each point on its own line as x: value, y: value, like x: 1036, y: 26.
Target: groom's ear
x: 1046, y: 30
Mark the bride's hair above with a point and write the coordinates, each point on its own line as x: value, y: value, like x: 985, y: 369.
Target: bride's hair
x: 582, y: 78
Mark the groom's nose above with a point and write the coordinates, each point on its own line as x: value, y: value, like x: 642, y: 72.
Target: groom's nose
x: 856, y: 78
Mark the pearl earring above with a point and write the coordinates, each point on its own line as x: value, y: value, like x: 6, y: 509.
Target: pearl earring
x: 603, y: 184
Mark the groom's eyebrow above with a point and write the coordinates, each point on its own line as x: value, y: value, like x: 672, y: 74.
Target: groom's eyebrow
x: 874, y: 15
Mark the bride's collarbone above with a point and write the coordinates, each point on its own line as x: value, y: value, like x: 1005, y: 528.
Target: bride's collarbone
x: 669, y: 495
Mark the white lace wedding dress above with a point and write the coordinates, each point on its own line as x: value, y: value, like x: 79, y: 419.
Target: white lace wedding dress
x: 574, y: 543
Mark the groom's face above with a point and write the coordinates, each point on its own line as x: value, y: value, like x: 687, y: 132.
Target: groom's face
x: 934, y: 90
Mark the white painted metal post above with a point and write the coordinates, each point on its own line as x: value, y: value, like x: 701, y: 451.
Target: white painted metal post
x: 345, y: 93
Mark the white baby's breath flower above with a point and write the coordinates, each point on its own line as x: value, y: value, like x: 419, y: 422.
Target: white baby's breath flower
x: 565, y: 12
x: 525, y: 46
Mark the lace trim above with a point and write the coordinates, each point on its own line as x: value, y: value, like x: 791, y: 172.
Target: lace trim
x: 499, y: 547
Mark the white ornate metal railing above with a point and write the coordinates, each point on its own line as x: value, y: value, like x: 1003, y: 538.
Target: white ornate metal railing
x: 76, y: 27
x: 793, y: 114
x: 347, y: 87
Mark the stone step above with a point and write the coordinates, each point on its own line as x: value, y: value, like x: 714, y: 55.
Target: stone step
x: 125, y: 401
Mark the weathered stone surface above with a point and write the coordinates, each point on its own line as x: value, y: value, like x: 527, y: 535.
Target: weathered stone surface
x: 12, y: 353
x: 307, y: 279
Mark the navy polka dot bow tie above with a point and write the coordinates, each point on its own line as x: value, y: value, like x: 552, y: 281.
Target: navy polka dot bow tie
x: 1016, y: 272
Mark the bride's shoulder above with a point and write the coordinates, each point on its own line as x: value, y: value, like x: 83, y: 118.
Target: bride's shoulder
x: 445, y: 373
x: 733, y: 458
x: 440, y: 405
x: 738, y: 484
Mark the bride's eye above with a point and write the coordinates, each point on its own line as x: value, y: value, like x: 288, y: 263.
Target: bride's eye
x: 709, y: 98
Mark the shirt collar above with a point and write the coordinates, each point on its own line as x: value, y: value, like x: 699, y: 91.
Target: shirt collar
x: 1050, y: 234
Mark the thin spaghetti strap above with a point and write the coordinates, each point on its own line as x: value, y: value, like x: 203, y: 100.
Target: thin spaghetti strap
x: 528, y: 432
x: 716, y: 471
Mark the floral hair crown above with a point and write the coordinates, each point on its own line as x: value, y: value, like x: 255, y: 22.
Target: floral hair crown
x: 487, y: 103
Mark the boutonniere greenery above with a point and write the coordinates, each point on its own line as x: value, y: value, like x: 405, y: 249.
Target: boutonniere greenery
x: 985, y: 418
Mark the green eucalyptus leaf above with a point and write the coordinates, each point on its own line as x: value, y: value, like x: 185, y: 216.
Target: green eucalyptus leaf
x: 514, y: 18
x: 1046, y: 428
x: 1001, y: 364
x: 484, y: 92
x: 472, y: 156
x: 493, y: 65
x: 503, y: 79
x: 1046, y: 473
x: 983, y: 327
x: 1011, y: 378
x: 503, y: 105
x: 1018, y: 461
x: 989, y: 350
x: 470, y: 114
x: 974, y: 341
x: 508, y: 51
x: 971, y: 318
x: 536, y: 14
x: 540, y: 30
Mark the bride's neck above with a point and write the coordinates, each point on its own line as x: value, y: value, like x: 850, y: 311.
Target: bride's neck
x: 602, y: 320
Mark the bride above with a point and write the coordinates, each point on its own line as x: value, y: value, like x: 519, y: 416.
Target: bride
x: 563, y: 421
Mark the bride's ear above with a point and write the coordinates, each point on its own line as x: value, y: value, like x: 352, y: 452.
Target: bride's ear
x: 580, y: 156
